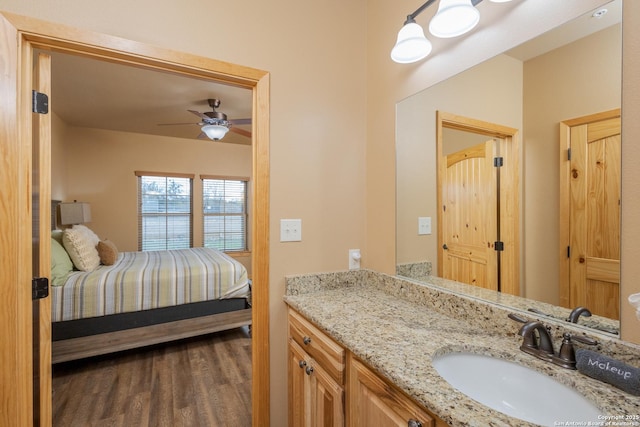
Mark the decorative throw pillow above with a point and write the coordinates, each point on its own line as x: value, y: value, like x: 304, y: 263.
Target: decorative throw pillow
x: 81, y: 249
x: 108, y: 252
x: 61, y: 264
x: 89, y: 232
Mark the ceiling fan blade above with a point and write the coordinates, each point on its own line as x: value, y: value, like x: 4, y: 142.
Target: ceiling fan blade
x: 202, y: 135
x: 199, y: 114
x: 176, y: 124
x: 239, y: 131
x: 241, y: 121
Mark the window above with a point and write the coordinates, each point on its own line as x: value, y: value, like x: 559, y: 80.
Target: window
x: 224, y: 208
x: 164, y: 211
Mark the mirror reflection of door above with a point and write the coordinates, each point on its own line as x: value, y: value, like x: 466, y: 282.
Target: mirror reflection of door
x: 591, y: 213
x: 478, y: 199
x: 469, y: 216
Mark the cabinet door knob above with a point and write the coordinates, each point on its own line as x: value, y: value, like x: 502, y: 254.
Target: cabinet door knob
x: 309, y: 370
x: 302, y: 363
x: 414, y: 423
x: 306, y: 340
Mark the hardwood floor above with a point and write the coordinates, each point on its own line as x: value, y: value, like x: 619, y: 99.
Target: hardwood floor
x: 204, y: 381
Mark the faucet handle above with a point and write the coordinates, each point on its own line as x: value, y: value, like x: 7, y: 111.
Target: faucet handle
x: 567, y: 356
x: 584, y: 339
x: 517, y: 318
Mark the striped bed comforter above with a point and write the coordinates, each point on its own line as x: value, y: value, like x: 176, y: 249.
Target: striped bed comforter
x: 146, y: 280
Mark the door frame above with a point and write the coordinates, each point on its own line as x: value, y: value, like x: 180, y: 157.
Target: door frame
x: 20, y: 36
x: 509, y: 196
x: 565, y: 195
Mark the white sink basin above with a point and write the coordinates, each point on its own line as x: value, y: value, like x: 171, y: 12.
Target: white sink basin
x: 514, y: 389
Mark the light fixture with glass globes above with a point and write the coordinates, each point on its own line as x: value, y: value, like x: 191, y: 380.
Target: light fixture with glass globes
x: 453, y: 18
x: 216, y: 131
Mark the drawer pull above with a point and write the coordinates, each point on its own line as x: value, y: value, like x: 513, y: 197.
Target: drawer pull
x: 306, y: 340
x: 414, y: 423
x: 309, y: 370
x: 302, y: 363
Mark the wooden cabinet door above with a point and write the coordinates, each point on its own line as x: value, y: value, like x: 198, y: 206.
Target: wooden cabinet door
x: 373, y: 403
x: 315, y: 398
x: 299, y: 387
x: 327, y: 398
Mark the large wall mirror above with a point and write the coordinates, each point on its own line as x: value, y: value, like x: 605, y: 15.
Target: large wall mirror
x: 569, y: 74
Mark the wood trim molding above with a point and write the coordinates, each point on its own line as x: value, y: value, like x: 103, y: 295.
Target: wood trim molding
x: 226, y: 177
x: 162, y: 174
x: 15, y: 234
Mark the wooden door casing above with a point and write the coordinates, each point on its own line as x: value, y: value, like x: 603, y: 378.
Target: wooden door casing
x: 21, y: 35
x: 41, y: 189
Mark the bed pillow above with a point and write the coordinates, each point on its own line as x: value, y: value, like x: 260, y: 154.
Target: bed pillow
x: 81, y: 249
x: 61, y: 264
x: 57, y: 235
x: 108, y: 252
x: 89, y: 232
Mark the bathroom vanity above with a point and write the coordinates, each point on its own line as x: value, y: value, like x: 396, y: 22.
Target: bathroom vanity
x: 361, y: 344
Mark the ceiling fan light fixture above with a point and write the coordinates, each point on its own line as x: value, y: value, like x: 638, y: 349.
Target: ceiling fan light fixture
x: 454, y: 18
x: 215, y: 132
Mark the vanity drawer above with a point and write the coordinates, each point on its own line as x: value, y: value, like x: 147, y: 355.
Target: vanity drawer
x: 319, y: 346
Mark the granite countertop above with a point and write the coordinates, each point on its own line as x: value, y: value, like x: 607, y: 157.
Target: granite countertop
x: 399, y: 337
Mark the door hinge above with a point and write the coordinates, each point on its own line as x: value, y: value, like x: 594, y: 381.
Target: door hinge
x: 498, y: 162
x: 568, y: 251
x: 39, y: 102
x: 39, y: 288
x: 568, y: 153
x: 499, y: 246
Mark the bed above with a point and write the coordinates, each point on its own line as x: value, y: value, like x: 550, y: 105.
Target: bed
x: 143, y: 298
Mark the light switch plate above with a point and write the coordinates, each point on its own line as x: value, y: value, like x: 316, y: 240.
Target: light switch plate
x: 290, y: 230
x: 424, y: 225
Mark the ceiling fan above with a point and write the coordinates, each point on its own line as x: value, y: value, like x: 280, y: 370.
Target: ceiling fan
x: 214, y: 124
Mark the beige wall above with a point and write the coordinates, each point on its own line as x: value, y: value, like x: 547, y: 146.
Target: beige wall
x: 101, y: 165
x: 491, y: 91
x: 58, y: 157
x: 573, y: 81
x: 630, y: 239
x: 97, y: 167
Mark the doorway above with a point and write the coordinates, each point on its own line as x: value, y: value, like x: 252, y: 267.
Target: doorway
x: 478, y: 202
x: 16, y: 134
x: 590, y: 195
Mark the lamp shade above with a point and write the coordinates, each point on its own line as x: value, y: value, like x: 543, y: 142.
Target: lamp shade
x: 411, y: 45
x: 215, y: 132
x: 75, y: 213
x: 454, y: 18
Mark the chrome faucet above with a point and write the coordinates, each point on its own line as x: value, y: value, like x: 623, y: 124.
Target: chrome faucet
x: 577, y: 312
